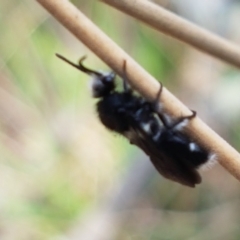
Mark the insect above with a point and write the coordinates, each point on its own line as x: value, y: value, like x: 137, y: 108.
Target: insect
x: 172, y: 152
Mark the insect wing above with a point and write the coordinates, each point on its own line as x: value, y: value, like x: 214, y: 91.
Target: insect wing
x: 173, y: 169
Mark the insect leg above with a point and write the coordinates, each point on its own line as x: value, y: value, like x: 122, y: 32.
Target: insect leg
x: 166, y: 120
x: 126, y: 86
x: 181, y: 122
x: 157, y: 108
x: 156, y: 104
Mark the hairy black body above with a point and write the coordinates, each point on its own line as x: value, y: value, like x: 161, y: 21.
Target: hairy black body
x: 171, y: 151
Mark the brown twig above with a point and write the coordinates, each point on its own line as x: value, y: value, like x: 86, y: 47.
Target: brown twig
x: 179, y: 28
x: 113, y: 55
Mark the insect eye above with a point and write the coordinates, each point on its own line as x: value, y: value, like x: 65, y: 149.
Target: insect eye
x: 103, y: 85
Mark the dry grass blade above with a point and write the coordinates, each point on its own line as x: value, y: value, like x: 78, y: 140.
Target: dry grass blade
x: 179, y: 28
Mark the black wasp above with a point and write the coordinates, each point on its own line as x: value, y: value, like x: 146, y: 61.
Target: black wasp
x: 171, y: 151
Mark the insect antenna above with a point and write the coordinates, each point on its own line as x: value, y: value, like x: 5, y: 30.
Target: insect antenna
x: 80, y: 66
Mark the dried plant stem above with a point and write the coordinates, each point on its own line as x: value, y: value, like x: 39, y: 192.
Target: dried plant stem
x: 179, y: 28
x: 113, y: 55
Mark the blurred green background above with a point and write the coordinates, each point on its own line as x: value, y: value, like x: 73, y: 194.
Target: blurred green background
x: 63, y: 176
